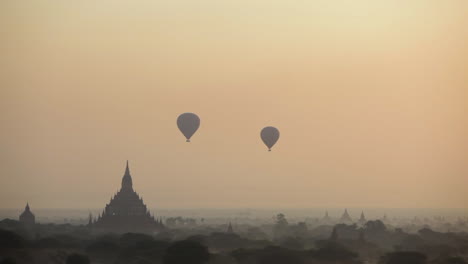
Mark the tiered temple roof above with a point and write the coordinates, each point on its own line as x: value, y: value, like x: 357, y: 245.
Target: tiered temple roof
x: 126, y: 211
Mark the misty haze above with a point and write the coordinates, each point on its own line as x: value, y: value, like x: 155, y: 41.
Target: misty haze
x: 234, y: 132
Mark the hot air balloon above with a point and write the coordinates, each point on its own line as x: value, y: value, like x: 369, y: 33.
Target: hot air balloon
x: 188, y: 124
x: 269, y: 136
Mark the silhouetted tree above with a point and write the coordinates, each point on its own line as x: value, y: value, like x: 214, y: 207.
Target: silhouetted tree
x: 224, y: 240
x: 102, y: 247
x: 403, y: 257
x: 449, y: 260
x: 332, y: 251
x: 8, y: 261
x: 299, y: 230
x: 281, y: 220
x: 280, y: 257
x: 48, y: 242
x: 133, y: 239
x: 281, y: 226
x: 9, y: 239
x: 77, y: 259
x: 376, y: 226
x: 292, y: 242
x: 268, y: 255
x: 186, y: 252
x: 455, y: 260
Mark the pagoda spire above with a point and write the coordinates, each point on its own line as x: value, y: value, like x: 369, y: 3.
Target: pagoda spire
x: 363, y: 219
x: 127, y: 169
x: 90, y: 220
x: 229, y: 229
x: 345, y: 218
x: 127, y: 179
x: 326, y: 218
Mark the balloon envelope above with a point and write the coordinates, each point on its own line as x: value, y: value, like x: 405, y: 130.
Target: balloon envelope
x: 188, y: 124
x: 269, y: 136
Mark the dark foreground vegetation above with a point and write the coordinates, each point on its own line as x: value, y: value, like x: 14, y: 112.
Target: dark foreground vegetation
x: 277, y: 243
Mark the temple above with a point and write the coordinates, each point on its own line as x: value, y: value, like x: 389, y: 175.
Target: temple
x: 27, y: 217
x: 362, y: 220
x: 126, y: 212
x: 229, y: 229
x: 326, y: 218
x: 345, y: 218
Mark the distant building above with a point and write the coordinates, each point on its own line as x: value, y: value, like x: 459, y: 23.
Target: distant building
x: 90, y: 220
x: 345, y: 218
x: 27, y: 217
x: 362, y: 221
x: 229, y: 229
x: 126, y: 212
x: 326, y: 218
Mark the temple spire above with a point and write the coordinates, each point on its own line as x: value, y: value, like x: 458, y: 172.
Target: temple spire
x: 90, y: 220
x: 127, y: 179
x: 229, y: 229
x: 326, y: 218
x: 362, y: 220
x: 345, y: 218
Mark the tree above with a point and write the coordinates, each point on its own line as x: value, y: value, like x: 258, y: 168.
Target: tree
x: 299, y: 230
x: 333, y: 251
x: 8, y: 261
x: 77, y: 259
x: 292, y: 243
x: 186, y: 252
x: 376, y: 226
x: 280, y: 257
x: 281, y: 220
x: 281, y: 226
x: 403, y: 257
x: 134, y: 239
x: 9, y: 239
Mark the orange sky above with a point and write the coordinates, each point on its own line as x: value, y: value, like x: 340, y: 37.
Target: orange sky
x: 370, y: 98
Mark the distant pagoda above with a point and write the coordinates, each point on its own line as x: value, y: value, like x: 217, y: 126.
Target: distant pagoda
x: 126, y: 212
x: 345, y: 218
x: 27, y: 217
x: 229, y: 229
x: 326, y: 218
x: 362, y: 220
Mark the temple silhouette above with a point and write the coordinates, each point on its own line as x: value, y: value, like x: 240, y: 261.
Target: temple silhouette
x: 126, y: 212
x: 27, y: 217
x: 362, y: 220
x: 346, y: 218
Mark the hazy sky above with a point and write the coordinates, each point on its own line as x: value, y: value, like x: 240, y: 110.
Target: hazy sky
x: 370, y: 97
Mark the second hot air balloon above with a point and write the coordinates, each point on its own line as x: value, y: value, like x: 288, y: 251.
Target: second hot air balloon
x: 188, y: 124
x: 270, y: 136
